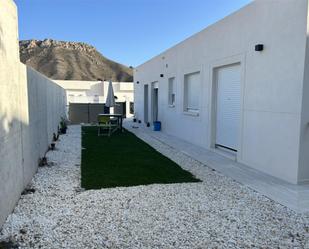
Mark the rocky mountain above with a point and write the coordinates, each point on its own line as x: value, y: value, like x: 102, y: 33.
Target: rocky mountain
x: 61, y: 60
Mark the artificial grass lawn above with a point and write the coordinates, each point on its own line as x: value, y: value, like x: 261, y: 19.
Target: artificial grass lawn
x: 125, y: 160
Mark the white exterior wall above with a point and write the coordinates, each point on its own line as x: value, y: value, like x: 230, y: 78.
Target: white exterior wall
x: 96, y: 92
x: 272, y: 83
x: 303, y: 173
x: 30, y: 109
x: 11, y: 170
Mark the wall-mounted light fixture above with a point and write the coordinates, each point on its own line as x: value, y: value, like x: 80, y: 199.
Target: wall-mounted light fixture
x: 137, y: 82
x: 161, y: 75
x: 259, y: 47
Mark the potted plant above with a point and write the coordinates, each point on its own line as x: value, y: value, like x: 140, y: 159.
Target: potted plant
x: 55, y: 137
x: 63, y: 126
x: 135, y: 118
x: 43, y: 161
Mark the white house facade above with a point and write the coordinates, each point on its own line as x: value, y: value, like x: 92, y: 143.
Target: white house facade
x: 239, y: 87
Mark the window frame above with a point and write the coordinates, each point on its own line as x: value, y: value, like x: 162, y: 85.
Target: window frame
x: 186, y: 109
x: 171, y: 94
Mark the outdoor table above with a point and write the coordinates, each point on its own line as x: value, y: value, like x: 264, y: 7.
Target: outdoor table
x: 119, y: 118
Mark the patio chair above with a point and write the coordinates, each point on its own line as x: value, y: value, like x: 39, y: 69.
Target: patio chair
x: 105, y: 126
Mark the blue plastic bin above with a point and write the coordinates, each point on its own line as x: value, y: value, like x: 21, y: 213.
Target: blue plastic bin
x: 157, y: 126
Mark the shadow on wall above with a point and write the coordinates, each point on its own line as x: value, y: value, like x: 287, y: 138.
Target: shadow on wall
x: 27, y: 124
x: 21, y: 148
x: 11, y: 164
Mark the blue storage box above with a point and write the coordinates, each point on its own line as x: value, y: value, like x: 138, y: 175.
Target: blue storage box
x: 157, y: 126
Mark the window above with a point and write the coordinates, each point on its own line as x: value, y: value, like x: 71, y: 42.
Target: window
x: 192, y: 92
x: 171, y: 91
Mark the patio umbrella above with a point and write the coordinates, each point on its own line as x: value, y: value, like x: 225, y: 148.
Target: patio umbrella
x: 110, y: 99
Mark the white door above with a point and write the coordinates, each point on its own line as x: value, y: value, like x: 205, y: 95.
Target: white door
x: 228, y: 107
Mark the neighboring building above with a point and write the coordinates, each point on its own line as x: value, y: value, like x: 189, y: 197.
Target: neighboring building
x: 96, y: 92
x: 239, y: 87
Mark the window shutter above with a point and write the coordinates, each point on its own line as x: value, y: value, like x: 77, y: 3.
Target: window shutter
x: 171, y: 93
x: 192, y: 91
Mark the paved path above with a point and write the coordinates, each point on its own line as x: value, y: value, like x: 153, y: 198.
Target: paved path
x: 296, y: 197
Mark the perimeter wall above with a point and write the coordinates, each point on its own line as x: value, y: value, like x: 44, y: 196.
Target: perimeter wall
x: 31, y: 107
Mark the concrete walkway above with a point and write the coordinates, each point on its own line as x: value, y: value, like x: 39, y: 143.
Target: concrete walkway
x: 295, y: 197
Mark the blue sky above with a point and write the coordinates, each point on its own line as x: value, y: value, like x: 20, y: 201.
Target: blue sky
x: 127, y: 31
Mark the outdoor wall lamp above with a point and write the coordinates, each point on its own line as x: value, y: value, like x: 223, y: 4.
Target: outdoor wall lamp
x: 259, y: 47
x: 137, y: 82
x: 161, y: 75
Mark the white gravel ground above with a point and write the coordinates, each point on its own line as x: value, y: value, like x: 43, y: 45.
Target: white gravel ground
x: 216, y: 213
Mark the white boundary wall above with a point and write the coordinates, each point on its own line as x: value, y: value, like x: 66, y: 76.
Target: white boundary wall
x: 31, y: 106
x: 274, y: 95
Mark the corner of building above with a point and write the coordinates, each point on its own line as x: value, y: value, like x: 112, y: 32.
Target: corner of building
x: 303, y: 167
